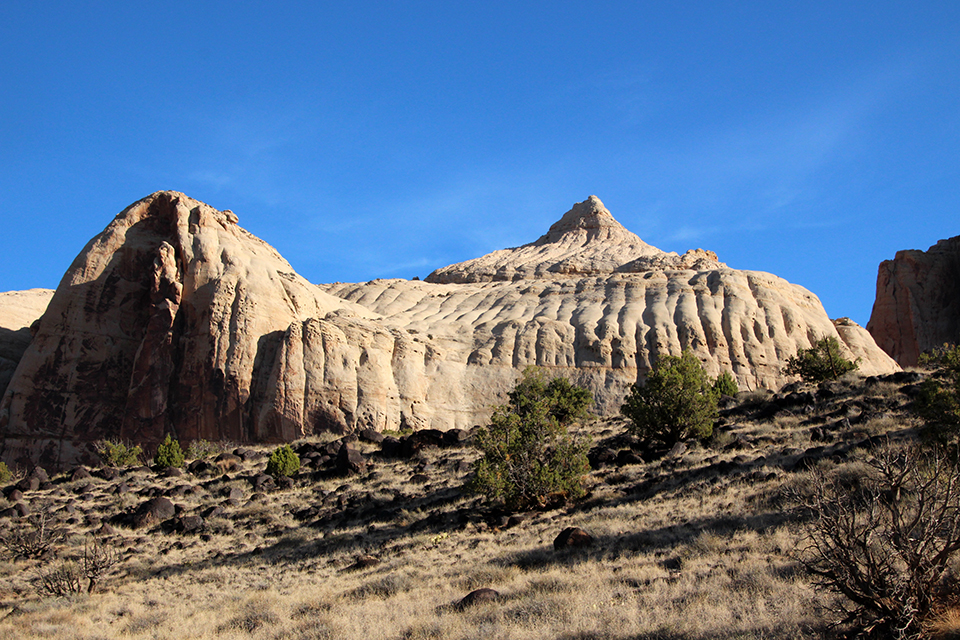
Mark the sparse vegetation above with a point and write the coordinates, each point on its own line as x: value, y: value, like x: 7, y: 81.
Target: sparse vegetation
x: 529, y: 458
x: 202, y: 449
x: 73, y: 577
x: 169, y: 453
x: 34, y: 539
x: 886, y: 539
x: 822, y: 361
x: 114, y: 453
x: 677, y: 401
x: 5, y: 473
x: 939, y: 400
x: 564, y: 401
x: 693, y: 546
x: 283, y: 462
x: 726, y: 385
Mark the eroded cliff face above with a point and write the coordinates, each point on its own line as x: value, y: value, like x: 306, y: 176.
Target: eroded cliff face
x: 918, y: 301
x: 176, y: 320
x: 605, y: 331
x: 171, y: 321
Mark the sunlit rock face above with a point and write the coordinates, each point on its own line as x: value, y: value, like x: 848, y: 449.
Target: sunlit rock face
x: 176, y: 320
x: 172, y: 321
x: 918, y: 301
x: 592, y: 301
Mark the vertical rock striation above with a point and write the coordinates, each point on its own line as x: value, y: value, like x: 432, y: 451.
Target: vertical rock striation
x: 176, y: 320
x: 918, y: 301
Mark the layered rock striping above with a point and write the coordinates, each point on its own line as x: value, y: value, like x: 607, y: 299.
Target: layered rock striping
x: 917, y: 306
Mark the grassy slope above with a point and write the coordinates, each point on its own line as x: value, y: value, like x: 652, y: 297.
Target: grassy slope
x: 695, y: 546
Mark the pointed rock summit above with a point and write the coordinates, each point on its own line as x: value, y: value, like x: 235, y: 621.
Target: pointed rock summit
x: 586, y: 241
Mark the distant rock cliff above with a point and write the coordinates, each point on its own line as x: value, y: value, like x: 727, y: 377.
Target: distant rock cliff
x: 18, y: 310
x: 918, y: 301
x: 176, y: 320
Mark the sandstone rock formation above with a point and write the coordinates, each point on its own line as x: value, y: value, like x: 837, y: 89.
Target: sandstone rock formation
x: 592, y: 301
x: 176, y: 320
x: 172, y: 320
x: 918, y: 301
x: 18, y: 311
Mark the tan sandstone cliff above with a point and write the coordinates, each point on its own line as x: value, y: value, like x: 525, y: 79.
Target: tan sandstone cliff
x: 174, y: 319
x: 918, y: 301
x: 592, y: 301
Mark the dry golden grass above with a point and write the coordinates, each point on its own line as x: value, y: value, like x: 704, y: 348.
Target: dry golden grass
x: 700, y: 546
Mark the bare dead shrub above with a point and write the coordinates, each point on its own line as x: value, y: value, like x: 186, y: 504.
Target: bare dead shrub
x: 73, y: 577
x: 885, y: 540
x: 33, y: 540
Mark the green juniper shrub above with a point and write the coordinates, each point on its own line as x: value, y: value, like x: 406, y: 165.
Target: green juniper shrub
x: 284, y: 461
x: 938, y: 402
x: 726, y: 385
x: 5, y: 473
x: 822, y: 361
x: 565, y: 401
x: 169, y: 453
x: 677, y: 401
x: 114, y: 453
x: 529, y: 458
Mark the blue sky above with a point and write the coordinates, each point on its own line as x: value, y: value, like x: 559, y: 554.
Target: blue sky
x: 362, y: 140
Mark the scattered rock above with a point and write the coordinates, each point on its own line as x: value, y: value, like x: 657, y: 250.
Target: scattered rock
x: 571, y: 538
x: 476, y: 597
x: 153, y: 512
x: 363, y: 562
x: 263, y: 482
x: 350, y: 461
x: 371, y: 435
x: 190, y: 524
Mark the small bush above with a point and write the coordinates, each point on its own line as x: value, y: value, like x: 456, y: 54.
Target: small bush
x: 676, y: 402
x: 202, y: 449
x: 822, y: 361
x: 939, y: 400
x: 529, y: 458
x: 169, y: 453
x: 726, y: 385
x: 5, y: 474
x: 114, y: 453
x: 284, y: 461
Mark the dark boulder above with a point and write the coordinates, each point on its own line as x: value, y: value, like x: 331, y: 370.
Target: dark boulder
x: 371, y: 435
x: 350, y: 461
x: 153, y: 512
x: 476, y: 597
x: 572, y: 538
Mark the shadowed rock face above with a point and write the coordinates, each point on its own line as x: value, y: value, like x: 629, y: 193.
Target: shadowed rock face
x: 918, y: 301
x: 18, y: 310
x: 176, y: 320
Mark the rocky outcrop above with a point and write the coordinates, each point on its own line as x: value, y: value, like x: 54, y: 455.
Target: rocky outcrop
x: 605, y: 322
x: 18, y: 311
x: 918, y: 301
x: 172, y: 320
x: 176, y: 320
